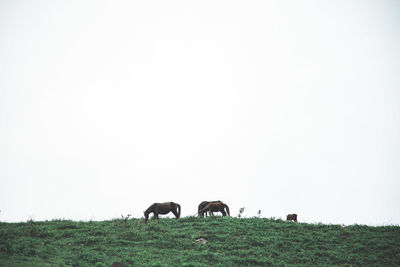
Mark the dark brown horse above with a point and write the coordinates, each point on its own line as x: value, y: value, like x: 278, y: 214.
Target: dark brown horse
x: 163, y: 208
x: 203, y: 204
x: 291, y: 217
x: 214, y: 207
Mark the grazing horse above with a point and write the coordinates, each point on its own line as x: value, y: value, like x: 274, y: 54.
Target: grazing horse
x: 214, y: 207
x: 203, y: 204
x: 291, y: 217
x: 163, y: 208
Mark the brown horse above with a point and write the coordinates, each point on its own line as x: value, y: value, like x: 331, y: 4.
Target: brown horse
x: 163, y: 208
x: 214, y: 207
x: 291, y: 217
x: 203, y: 204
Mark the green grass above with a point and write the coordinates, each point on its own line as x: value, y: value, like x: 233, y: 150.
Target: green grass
x: 171, y: 242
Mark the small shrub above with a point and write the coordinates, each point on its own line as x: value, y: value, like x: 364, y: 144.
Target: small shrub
x: 241, y: 210
x: 125, y: 219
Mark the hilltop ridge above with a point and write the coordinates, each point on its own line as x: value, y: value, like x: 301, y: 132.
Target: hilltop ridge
x: 172, y: 242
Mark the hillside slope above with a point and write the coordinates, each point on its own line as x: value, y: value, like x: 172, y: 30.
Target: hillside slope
x: 171, y: 242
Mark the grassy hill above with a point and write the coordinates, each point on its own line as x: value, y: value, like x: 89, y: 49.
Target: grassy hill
x: 171, y: 242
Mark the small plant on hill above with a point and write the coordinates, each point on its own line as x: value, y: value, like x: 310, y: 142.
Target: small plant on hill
x: 240, y: 212
x: 125, y: 219
x: 31, y: 220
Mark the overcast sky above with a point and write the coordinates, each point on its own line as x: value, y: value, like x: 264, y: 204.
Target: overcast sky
x: 278, y: 106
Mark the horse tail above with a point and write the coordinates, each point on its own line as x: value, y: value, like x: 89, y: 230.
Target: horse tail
x: 227, y: 209
x: 178, y: 209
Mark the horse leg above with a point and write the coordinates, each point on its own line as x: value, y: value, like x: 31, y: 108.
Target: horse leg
x: 175, y: 213
x: 223, y: 212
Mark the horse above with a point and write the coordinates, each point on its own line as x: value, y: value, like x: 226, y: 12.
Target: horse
x: 214, y: 207
x: 163, y: 208
x: 203, y: 205
x: 291, y: 217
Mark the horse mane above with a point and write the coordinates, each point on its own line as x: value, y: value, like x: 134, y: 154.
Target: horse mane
x: 206, y: 208
x: 149, y: 209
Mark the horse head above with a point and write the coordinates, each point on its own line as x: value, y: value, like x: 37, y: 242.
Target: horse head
x: 146, y: 216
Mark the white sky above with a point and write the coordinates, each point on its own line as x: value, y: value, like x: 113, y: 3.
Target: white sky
x: 282, y: 106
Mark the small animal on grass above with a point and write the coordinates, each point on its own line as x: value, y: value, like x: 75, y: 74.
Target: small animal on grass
x: 214, y: 207
x: 291, y: 217
x: 163, y: 208
x: 203, y: 205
